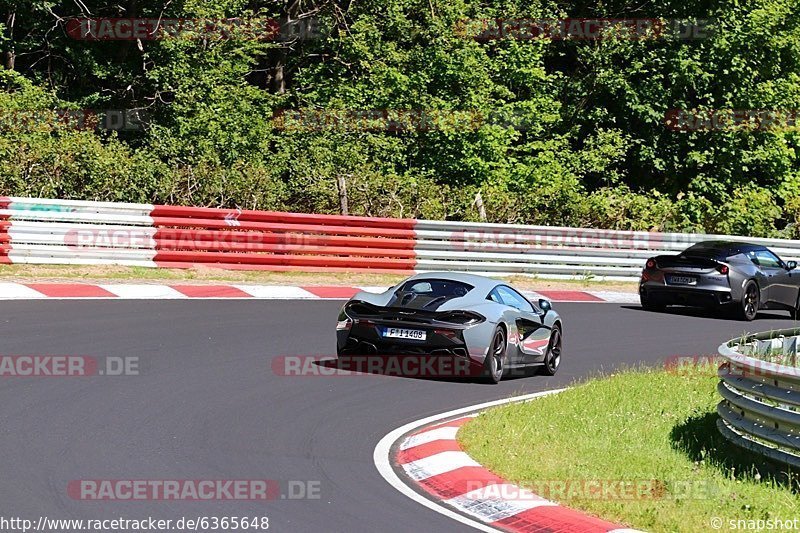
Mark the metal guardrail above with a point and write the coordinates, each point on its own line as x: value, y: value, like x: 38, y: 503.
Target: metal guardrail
x: 557, y: 252
x: 34, y: 230
x: 760, y: 407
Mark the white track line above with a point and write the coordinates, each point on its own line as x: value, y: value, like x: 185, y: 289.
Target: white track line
x: 276, y: 292
x: 144, y: 292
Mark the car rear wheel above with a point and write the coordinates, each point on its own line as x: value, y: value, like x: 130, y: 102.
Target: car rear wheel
x: 552, y: 358
x: 494, y: 364
x: 748, y: 308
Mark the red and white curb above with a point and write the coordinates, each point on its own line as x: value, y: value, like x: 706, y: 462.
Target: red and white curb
x: 29, y: 291
x: 142, y: 291
x: 460, y: 488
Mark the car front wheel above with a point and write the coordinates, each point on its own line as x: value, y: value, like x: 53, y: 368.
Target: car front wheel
x: 748, y: 307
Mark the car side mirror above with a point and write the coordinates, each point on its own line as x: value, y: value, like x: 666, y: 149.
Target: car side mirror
x: 545, y: 305
x: 791, y: 265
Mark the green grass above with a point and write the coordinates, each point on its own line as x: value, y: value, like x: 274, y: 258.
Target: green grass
x: 208, y: 274
x: 646, y: 426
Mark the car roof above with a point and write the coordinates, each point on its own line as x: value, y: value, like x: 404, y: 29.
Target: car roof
x: 481, y: 283
x: 728, y: 247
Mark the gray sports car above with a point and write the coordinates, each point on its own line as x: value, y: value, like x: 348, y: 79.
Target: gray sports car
x: 736, y: 275
x: 471, y: 318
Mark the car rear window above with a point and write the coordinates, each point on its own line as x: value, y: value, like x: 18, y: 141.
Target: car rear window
x: 436, y: 287
x: 709, y: 252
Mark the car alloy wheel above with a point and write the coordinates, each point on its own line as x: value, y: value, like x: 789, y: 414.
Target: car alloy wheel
x: 495, y: 359
x: 750, y: 302
x: 553, y: 358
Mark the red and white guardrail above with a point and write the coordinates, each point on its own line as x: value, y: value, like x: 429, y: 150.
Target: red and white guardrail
x: 47, y: 231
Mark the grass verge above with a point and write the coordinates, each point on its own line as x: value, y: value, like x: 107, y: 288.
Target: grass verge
x: 203, y: 274
x: 651, y: 428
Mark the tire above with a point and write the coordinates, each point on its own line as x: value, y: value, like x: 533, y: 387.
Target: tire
x: 748, y: 307
x: 495, y: 362
x: 552, y: 358
x: 649, y: 305
x: 795, y: 313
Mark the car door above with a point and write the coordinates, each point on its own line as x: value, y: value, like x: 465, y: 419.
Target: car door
x: 533, y: 336
x: 776, y: 281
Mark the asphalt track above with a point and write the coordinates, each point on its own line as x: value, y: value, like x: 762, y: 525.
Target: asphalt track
x: 207, y: 404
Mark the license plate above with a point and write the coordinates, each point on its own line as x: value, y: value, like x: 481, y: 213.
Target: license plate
x: 399, y: 333
x: 682, y: 280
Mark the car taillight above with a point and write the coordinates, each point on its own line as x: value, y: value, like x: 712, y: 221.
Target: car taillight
x: 651, y: 263
x: 449, y: 333
x: 466, y: 318
x: 723, y: 269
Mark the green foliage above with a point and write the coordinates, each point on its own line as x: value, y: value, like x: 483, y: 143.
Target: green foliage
x: 561, y: 132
